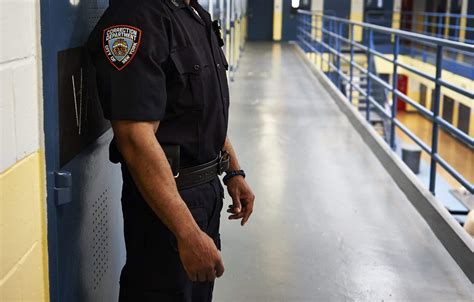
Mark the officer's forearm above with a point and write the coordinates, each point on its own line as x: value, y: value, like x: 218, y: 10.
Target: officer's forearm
x: 152, y: 174
x: 234, y: 163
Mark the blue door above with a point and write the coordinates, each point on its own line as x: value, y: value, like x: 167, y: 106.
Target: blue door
x: 379, y: 12
x: 289, y: 22
x: 85, y: 245
x: 338, y: 8
x: 260, y: 20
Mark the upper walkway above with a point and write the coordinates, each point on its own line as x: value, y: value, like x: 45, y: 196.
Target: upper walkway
x: 330, y: 224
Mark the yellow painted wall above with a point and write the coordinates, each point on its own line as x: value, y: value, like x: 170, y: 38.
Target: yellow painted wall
x: 277, y: 19
x: 357, y: 15
x: 396, y: 18
x: 463, y: 23
x: 23, y: 251
x: 23, y: 248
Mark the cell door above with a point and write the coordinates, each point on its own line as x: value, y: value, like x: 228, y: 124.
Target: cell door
x: 423, y: 91
x: 85, y: 245
x: 290, y: 22
x: 455, y: 20
x: 406, y: 15
x: 464, y: 118
x: 470, y: 22
x: 379, y: 12
x: 448, y: 109
x: 337, y: 8
x: 260, y: 20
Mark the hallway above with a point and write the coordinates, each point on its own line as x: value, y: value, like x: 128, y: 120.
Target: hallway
x: 329, y: 223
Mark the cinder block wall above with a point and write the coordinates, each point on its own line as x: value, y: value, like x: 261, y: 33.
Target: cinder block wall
x: 23, y: 249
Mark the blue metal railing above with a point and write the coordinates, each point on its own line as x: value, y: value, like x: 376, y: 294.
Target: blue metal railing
x: 456, y: 27
x: 326, y: 35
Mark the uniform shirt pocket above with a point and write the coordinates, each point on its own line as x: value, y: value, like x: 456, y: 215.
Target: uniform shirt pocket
x: 193, y: 71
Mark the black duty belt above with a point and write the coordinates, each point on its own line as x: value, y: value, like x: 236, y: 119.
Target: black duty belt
x: 194, y: 176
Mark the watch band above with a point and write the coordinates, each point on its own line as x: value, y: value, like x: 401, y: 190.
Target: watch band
x: 231, y: 174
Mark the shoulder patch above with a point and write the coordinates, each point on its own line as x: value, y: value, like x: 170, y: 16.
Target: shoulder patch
x: 121, y: 43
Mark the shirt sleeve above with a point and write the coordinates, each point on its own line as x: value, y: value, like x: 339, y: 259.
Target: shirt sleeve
x: 128, y: 57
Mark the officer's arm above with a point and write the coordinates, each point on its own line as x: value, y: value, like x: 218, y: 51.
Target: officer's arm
x: 150, y: 170
x: 241, y: 193
x: 234, y: 163
x: 152, y: 174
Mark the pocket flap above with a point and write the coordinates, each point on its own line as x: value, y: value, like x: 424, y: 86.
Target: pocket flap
x: 187, y: 60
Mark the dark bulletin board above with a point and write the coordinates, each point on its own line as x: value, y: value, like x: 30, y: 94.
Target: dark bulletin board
x: 80, y: 116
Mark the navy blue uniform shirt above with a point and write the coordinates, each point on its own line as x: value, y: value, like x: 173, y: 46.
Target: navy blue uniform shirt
x: 160, y: 60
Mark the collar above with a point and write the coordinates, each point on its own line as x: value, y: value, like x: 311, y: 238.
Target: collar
x: 175, y: 4
x: 179, y: 4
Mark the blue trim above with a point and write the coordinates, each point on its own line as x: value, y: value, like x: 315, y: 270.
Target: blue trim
x: 51, y: 140
x: 63, y: 26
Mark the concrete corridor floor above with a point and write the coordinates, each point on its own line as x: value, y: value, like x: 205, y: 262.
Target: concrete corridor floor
x: 329, y: 223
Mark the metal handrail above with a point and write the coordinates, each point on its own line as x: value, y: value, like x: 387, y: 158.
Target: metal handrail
x: 434, y: 24
x: 398, y: 32
x: 328, y: 38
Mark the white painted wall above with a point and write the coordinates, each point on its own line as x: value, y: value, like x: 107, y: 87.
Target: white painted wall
x: 20, y: 78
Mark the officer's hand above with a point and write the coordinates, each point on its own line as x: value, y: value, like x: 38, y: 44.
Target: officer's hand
x: 242, y: 199
x: 200, y: 257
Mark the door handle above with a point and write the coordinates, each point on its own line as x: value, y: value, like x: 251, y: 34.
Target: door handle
x: 62, y: 187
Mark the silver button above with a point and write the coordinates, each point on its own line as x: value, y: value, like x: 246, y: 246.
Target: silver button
x: 218, y: 66
x: 196, y: 67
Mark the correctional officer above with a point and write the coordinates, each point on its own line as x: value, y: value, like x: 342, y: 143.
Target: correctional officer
x: 161, y: 78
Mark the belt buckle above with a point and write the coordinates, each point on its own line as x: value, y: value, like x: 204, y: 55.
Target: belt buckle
x: 224, y: 161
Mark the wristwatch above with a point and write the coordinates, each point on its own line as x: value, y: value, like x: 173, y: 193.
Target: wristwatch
x: 231, y: 174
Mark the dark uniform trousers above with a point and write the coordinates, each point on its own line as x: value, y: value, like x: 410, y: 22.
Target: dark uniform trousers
x: 153, y: 269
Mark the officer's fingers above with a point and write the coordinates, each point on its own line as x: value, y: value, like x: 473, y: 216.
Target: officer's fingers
x: 237, y: 216
x: 219, y: 268
x: 192, y: 276
x: 232, y: 211
x: 211, y: 275
x: 236, y: 205
x: 202, y: 276
x: 246, y: 217
x: 247, y: 212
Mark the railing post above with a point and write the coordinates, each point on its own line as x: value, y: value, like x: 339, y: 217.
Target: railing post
x: 435, y: 131
x: 351, y: 67
x: 323, y: 41
x: 330, y: 46
x: 308, y: 30
x: 338, y: 60
x: 457, y: 29
x: 426, y: 28
x: 369, y: 71
x: 441, y: 26
x: 396, y: 50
